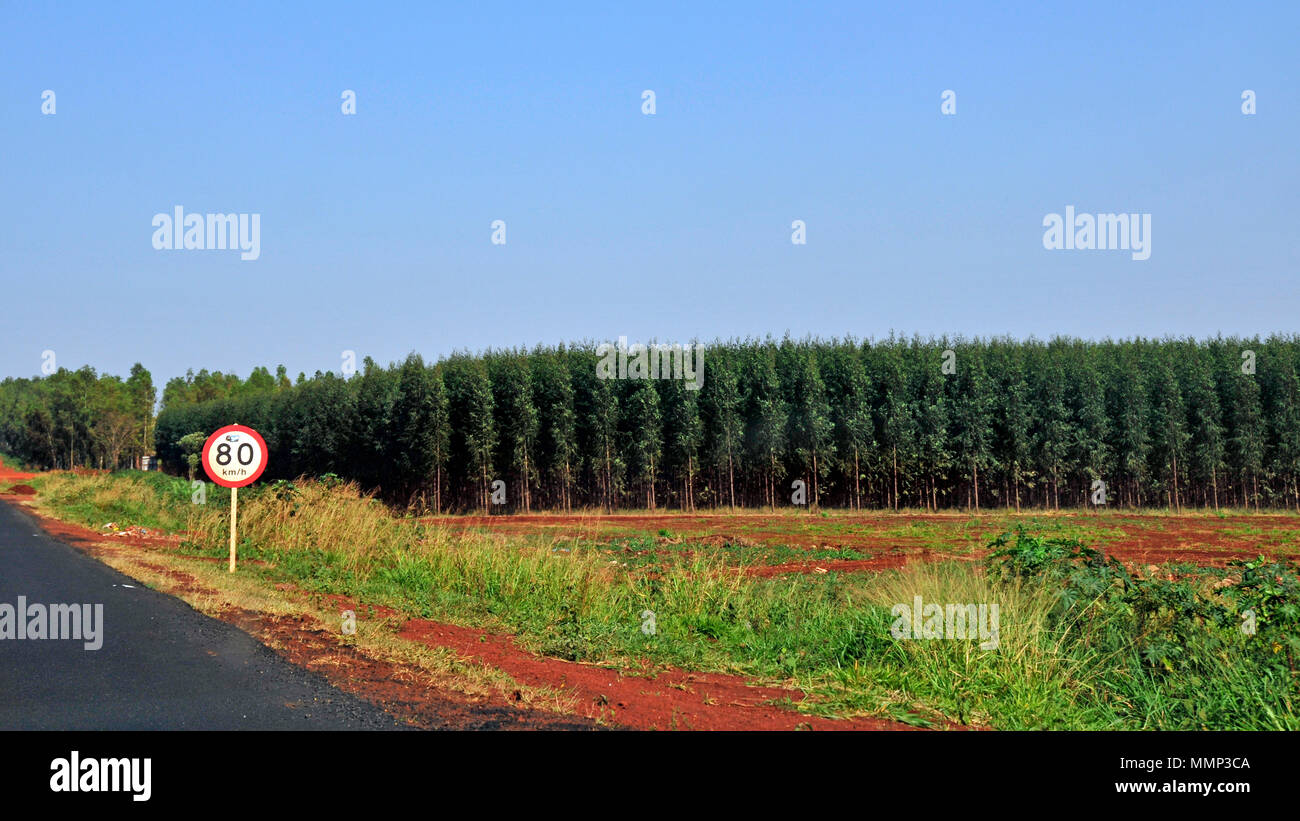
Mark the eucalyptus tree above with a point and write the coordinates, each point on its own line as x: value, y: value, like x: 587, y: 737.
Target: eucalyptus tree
x: 811, y: 426
x: 849, y: 387
x: 557, y: 427
x: 516, y: 421
x: 474, y: 433
x: 973, y: 418
x: 720, y: 404
x: 642, y: 429
x: 683, y: 433
x: 766, y: 412
x: 895, y: 412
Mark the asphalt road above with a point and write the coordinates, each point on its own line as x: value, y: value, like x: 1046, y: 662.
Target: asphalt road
x: 162, y: 666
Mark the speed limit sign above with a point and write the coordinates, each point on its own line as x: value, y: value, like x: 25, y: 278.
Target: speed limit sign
x: 234, y: 457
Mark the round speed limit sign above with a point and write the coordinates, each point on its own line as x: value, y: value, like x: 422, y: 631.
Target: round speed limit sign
x: 234, y: 456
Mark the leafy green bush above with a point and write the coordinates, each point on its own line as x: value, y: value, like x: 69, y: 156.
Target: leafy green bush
x: 1269, y: 593
x: 1174, y: 649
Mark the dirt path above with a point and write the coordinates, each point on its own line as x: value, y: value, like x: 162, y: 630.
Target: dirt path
x: 649, y: 699
x: 9, y: 476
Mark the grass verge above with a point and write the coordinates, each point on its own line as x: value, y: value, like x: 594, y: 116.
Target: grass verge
x: 1082, y: 643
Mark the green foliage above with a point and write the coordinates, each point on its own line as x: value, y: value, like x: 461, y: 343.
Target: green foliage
x: 78, y: 418
x: 191, y: 447
x: 1175, y: 647
x: 1270, y: 592
x: 864, y: 423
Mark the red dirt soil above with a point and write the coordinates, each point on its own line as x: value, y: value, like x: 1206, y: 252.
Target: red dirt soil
x: 1148, y: 539
x: 8, y: 474
x: 670, y: 700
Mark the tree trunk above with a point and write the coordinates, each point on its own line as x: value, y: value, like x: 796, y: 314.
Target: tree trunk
x: 690, y: 481
x: 771, y: 480
x: 857, y: 481
x: 609, y: 481
x: 731, y: 479
x: 1015, y: 482
x: 652, y: 484
x: 895, y: 477
x: 816, y: 495
x: 1177, y: 503
x: 528, y: 501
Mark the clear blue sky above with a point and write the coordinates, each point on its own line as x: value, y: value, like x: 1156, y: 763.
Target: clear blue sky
x: 375, y: 231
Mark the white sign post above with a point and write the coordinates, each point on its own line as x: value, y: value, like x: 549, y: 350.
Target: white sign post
x: 234, y: 457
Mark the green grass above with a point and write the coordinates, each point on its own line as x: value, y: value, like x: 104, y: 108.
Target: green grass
x: 12, y: 462
x: 641, y: 551
x: 128, y: 497
x: 1083, y: 645
x: 1273, y: 537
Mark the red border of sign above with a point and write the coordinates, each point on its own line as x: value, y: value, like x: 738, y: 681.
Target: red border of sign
x: 266, y: 456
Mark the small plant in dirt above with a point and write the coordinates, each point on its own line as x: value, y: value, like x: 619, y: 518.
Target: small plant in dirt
x: 567, y: 640
x: 1023, y: 555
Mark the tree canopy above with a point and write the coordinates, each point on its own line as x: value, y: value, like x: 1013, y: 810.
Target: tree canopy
x: 899, y: 422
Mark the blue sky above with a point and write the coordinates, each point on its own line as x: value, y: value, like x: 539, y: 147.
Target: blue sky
x: 375, y: 228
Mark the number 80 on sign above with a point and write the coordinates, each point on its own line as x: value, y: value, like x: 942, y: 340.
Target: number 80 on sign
x: 234, y: 456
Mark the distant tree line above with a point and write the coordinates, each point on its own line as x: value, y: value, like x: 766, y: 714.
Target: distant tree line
x: 78, y: 418
x: 922, y: 423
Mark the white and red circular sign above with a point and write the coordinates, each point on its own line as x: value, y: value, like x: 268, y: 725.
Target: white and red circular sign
x: 234, y: 456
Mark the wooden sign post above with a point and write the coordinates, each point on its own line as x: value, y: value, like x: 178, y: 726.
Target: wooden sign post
x: 234, y: 457
x: 234, y: 516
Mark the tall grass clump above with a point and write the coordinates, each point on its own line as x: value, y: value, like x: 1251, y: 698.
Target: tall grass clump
x: 128, y: 497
